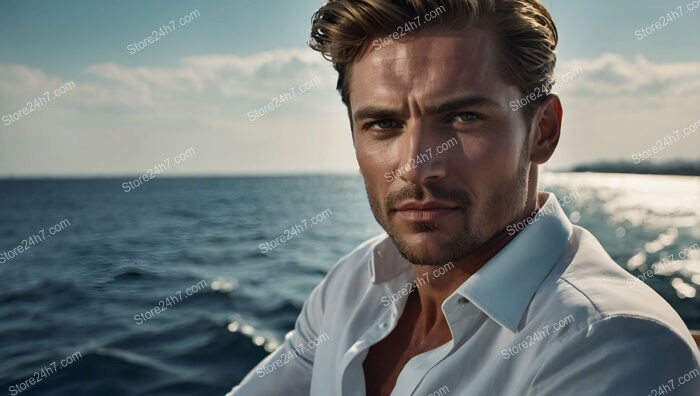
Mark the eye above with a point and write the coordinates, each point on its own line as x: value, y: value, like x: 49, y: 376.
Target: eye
x: 466, y: 117
x: 383, y: 125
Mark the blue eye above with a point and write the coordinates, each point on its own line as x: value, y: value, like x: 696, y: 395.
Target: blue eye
x: 384, y: 124
x: 466, y: 117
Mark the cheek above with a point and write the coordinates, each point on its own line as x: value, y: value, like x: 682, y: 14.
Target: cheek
x: 505, y: 157
x: 480, y: 155
x: 373, y: 160
x: 365, y: 162
x: 491, y: 158
x: 371, y: 171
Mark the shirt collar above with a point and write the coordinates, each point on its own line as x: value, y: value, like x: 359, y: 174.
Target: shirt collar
x: 386, y: 262
x: 505, y: 285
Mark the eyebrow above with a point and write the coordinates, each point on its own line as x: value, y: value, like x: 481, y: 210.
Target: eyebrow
x: 375, y: 112
x: 379, y: 112
x: 462, y: 102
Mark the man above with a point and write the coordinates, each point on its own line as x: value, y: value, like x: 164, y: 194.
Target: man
x: 458, y: 297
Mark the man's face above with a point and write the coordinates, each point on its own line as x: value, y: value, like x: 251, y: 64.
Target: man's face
x: 443, y: 156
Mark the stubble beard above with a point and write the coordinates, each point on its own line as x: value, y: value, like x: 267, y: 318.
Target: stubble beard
x: 504, y: 206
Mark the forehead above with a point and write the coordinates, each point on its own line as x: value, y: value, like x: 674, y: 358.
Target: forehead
x: 427, y: 65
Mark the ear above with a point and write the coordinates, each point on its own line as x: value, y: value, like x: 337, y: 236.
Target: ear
x: 546, y: 129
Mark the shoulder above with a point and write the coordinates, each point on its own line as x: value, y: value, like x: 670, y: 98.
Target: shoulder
x: 596, y: 294
x: 610, y: 335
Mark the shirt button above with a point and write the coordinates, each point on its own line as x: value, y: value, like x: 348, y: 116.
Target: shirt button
x: 462, y: 301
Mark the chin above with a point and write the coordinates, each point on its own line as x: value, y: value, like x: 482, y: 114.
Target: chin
x: 433, y: 247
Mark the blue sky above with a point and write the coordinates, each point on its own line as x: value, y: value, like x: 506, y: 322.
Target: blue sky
x: 195, y: 86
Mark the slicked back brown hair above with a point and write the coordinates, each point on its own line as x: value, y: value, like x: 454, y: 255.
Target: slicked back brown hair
x: 342, y: 30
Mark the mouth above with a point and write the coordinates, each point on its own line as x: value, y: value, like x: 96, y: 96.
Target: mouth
x: 425, y: 211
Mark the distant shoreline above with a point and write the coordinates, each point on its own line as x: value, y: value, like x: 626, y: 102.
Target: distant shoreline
x: 674, y: 168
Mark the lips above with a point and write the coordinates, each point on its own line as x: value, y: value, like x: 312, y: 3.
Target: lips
x: 425, y: 211
x: 427, y: 205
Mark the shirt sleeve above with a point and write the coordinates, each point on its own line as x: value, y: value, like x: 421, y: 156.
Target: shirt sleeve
x: 287, y: 370
x: 620, y: 356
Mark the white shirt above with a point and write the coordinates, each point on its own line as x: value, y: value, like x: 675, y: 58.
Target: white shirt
x: 550, y: 314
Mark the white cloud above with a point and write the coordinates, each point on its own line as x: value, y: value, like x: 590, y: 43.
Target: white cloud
x: 617, y: 107
x: 258, y: 75
x: 613, y: 108
x: 611, y: 75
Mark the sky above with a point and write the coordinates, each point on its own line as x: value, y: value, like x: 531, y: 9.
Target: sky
x: 103, y: 105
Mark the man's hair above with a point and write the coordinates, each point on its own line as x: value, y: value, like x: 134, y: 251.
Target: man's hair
x: 342, y: 30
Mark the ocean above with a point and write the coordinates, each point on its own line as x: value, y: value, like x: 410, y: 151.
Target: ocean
x: 180, y: 286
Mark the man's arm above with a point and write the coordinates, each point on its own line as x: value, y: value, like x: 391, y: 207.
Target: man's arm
x: 288, y: 369
x: 619, y: 356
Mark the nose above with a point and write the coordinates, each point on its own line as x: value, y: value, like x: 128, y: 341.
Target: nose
x: 419, y: 162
